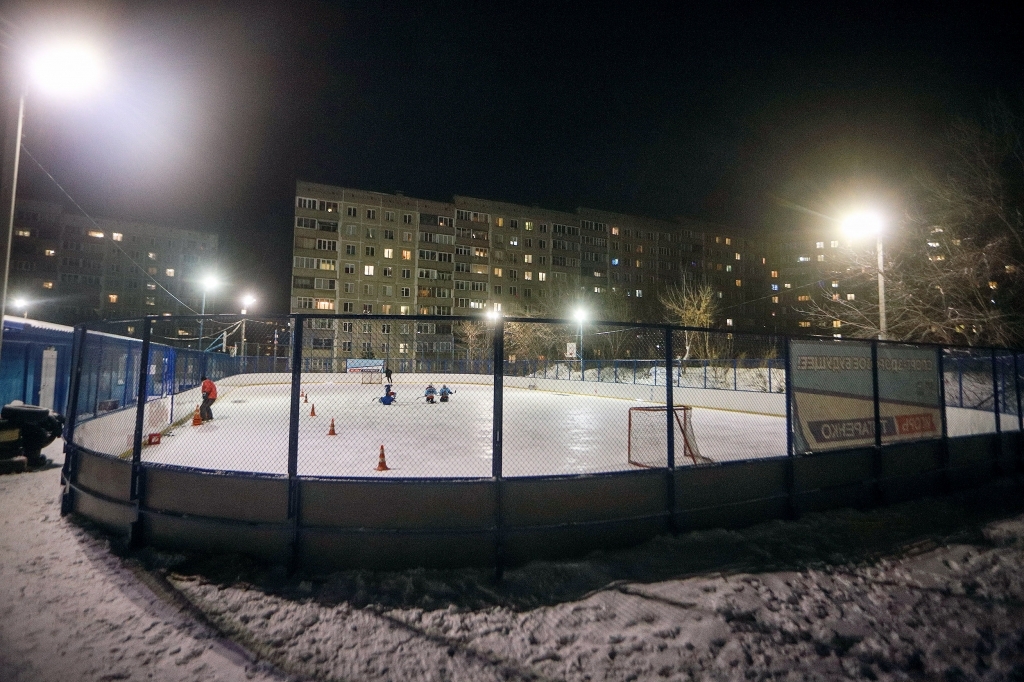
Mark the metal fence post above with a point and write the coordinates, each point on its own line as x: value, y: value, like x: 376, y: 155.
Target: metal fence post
x: 998, y: 447
x: 670, y: 434
x: 876, y: 460
x: 496, y: 443
x: 69, y: 469
x: 135, y: 493
x: 1020, y: 417
x: 947, y: 481
x: 293, y: 440
x: 793, y: 506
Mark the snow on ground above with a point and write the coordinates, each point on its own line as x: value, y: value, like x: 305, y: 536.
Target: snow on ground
x: 926, y: 590
x: 544, y: 433
x: 71, y: 610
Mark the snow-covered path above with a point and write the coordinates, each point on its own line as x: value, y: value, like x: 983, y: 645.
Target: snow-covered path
x: 71, y: 610
x: 950, y: 607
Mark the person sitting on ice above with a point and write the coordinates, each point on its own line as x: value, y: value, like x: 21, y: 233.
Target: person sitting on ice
x: 445, y: 392
x: 388, y: 397
x: 430, y: 393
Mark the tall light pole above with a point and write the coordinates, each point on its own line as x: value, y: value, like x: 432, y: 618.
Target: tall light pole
x: 247, y: 301
x: 581, y: 315
x: 63, y: 69
x: 862, y: 224
x: 209, y: 282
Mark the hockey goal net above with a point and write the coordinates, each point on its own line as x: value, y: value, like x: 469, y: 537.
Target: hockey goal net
x: 370, y: 377
x: 648, y: 443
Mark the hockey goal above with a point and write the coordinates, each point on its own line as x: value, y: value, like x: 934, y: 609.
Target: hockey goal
x: 648, y: 446
x: 370, y: 377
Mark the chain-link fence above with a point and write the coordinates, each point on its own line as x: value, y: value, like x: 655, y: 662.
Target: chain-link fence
x: 426, y: 397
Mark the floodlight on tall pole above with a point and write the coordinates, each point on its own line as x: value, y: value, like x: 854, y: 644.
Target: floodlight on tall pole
x: 247, y: 301
x: 209, y: 282
x: 65, y: 69
x: 866, y: 223
x: 22, y: 305
x: 580, y: 316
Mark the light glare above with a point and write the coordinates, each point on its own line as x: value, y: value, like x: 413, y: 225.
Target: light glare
x: 66, y: 69
x: 863, y: 223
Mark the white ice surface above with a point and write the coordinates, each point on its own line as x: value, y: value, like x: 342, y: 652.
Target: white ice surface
x: 544, y: 433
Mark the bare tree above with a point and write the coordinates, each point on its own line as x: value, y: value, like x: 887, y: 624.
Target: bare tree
x: 953, y: 271
x: 694, y: 305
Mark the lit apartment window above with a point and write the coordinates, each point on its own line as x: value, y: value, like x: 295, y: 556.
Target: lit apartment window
x: 528, y: 225
x: 835, y: 297
x: 834, y: 243
x: 47, y: 285
x: 151, y: 300
x: 406, y: 254
x: 389, y: 253
x: 615, y: 230
x: 803, y: 323
x: 150, y: 286
x: 151, y: 255
x: 529, y: 275
x: 499, y: 222
x: 542, y: 276
x: 184, y: 332
x: 385, y: 309
x: 112, y: 298
x: 169, y: 272
x: 117, y: 236
x: 803, y: 259
x: 739, y: 282
x: 95, y: 233
x: 803, y: 297
x: 50, y: 252
x: 850, y: 297
x: 728, y: 322
x: 775, y: 299
x: 787, y: 285
x: 404, y: 310
x: 821, y: 257
x: 737, y: 256
x: 835, y: 284
x: 367, y: 269
x: 775, y: 287
x: 527, y: 258
x: 23, y: 233
x: 837, y: 323
x: 819, y: 245
x: 775, y: 273
x: 992, y: 284
x: 639, y: 293
x: 497, y: 272
x: 728, y: 268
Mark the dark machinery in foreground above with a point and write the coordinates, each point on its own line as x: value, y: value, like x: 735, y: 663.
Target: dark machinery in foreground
x: 24, y: 431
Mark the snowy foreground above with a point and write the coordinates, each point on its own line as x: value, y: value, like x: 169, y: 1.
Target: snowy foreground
x: 927, y: 590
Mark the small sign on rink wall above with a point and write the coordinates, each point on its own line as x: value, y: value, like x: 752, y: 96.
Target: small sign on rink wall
x: 154, y: 439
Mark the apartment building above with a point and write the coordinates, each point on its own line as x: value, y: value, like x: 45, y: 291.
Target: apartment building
x: 363, y: 252
x: 70, y: 269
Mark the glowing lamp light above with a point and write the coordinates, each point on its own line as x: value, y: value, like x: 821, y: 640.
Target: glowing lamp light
x: 66, y: 69
x: 863, y: 223
x: 580, y: 315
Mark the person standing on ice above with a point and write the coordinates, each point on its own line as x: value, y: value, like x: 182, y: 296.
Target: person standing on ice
x: 430, y: 393
x: 387, y: 374
x: 209, y: 390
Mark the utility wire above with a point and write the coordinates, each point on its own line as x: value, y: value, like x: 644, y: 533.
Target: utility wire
x: 97, y: 225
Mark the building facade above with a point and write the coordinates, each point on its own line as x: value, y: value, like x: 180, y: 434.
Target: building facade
x: 69, y: 269
x: 363, y: 252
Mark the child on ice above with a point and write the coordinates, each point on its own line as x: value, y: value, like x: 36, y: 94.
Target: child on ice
x: 388, y: 397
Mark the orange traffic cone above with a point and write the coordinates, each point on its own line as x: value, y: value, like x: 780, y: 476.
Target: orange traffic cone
x: 196, y: 419
x: 312, y: 410
x: 331, y: 431
x: 382, y: 464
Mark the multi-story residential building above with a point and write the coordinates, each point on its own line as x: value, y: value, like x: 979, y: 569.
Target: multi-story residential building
x: 358, y: 251
x: 71, y: 269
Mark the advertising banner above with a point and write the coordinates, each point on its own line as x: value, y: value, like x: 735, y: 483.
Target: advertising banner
x: 833, y: 396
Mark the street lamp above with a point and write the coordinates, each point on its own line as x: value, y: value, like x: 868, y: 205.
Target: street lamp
x: 22, y: 305
x: 864, y: 224
x: 581, y: 315
x: 247, y: 301
x: 65, y: 69
x: 209, y: 282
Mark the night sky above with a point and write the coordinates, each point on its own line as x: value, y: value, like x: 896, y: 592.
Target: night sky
x: 719, y: 111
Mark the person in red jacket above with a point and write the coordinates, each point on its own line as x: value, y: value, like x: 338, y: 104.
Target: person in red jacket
x: 209, y: 390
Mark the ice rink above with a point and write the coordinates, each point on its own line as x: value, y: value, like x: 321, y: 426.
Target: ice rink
x: 545, y: 433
